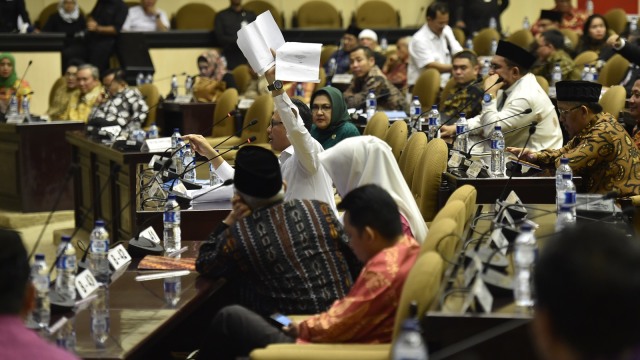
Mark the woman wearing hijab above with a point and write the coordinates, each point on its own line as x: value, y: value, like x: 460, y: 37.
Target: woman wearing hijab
x: 365, y: 160
x: 214, y: 77
x: 9, y: 82
x: 331, y: 122
x: 70, y: 21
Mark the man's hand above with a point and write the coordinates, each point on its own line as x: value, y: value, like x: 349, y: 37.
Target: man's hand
x: 239, y: 210
x: 525, y: 154
x: 291, y: 330
x: 614, y: 40
x: 448, y: 131
x: 490, y: 86
x: 200, y: 145
x: 92, y: 25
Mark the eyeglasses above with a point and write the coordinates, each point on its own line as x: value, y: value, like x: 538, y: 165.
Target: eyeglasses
x: 275, y: 123
x: 323, y: 107
x: 564, y: 113
x: 635, y: 94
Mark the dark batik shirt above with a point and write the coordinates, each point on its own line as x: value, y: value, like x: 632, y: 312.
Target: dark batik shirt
x: 463, y: 99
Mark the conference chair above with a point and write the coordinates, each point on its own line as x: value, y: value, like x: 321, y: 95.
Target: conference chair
x: 588, y: 57
x: 377, y: 126
x: 242, y: 77
x: 422, y: 286
x: 396, y: 137
x: 376, y: 14
x: 458, y: 33
x: 259, y: 6
x: 326, y: 52
x: 323, y: 80
x: 571, y: 38
x: 427, y: 87
x: 428, y: 176
x: 613, y: 100
x: 613, y: 70
x: 482, y: 41
x: 195, y: 16
x: 523, y: 38
x: 226, y: 102
x: 468, y: 195
x: 410, y: 155
x: 455, y: 210
x: 617, y: 20
x: 317, y: 14
x: 544, y: 84
x: 443, y: 238
x: 132, y: 3
x: 45, y: 14
x: 446, y: 92
x: 152, y: 98
x: 58, y: 84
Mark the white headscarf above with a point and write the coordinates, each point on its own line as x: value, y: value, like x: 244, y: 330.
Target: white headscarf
x: 66, y: 16
x: 363, y: 160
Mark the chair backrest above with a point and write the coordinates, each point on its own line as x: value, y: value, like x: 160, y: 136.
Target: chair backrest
x: 56, y: 85
x: 443, y: 238
x: 323, y: 80
x: 377, y: 126
x: 613, y: 70
x: 428, y: 176
x: 572, y: 36
x: 319, y: 14
x: 482, y: 41
x: 459, y: 35
x: 447, y: 91
x: 410, y: 155
x: 242, y: 77
x: 467, y: 194
x: 617, y: 20
x: 612, y: 100
x: 259, y: 6
x: 544, y: 84
x: 376, y: 14
x: 455, y: 210
x: 151, y: 97
x: 326, y: 52
x: 523, y: 38
x: 132, y: 3
x: 226, y: 102
x: 427, y: 87
x: 261, y: 110
x: 195, y: 16
x: 588, y: 57
x: 46, y: 13
x: 396, y: 137
x: 422, y: 285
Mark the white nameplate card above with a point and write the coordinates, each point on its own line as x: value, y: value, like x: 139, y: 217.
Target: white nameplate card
x: 183, y: 99
x: 474, y: 169
x: 157, y: 145
x: 15, y: 119
x: 474, y: 267
x: 245, y: 103
x: 86, y: 283
x: 150, y: 234
x: 501, y: 242
x: 483, y: 294
x: 118, y: 257
x: 342, y: 78
x: 513, y: 198
x: 455, y: 160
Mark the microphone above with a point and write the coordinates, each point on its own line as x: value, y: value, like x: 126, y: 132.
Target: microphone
x: 239, y: 132
x: 532, y: 129
x: 524, y: 112
x: 23, y: 76
x: 184, y: 73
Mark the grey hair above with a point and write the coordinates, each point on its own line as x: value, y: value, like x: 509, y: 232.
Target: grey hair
x: 256, y: 202
x: 94, y: 70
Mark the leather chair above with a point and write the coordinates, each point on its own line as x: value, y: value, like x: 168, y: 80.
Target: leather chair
x: 318, y: 14
x: 588, y: 57
x: 482, y: 41
x: 613, y: 70
x: 455, y: 210
x: 613, y: 100
x: 523, y: 38
x: 326, y: 52
x: 410, y: 155
x: 544, y: 84
x: 377, y: 126
x: 617, y: 20
x: 195, y: 16
x: 242, y: 77
x: 152, y: 98
x: 468, y: 195
x: 443, y: 238
x: 226, y: 102
x: 427, y: 87
x: 376, y: 14
x: 572, y: 37
x: 396, y: 137
x: 259, y: 6
x: 428, y: 176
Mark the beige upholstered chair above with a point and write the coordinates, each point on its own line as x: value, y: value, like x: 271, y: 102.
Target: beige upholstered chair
x: 376, y: 14
x: 443, y: 238
x: 326, y: 52
x: 428, y: 176
x: 242, y: 77
x: 152, y: 98
x: 544, y: 84
x: 45, y: 14
x: 523, y: 38
x: 459, y: 35
x: 377, y: 126
x: 572, y: 36
x: 411, y: 154
x: 613, y: 70
x: 427, y: 87
x: 323, y: 80
x: 612, y: 100
x: 585, y: 58
x: 318, y: 14
x: 56, y: 85
x: 259, y: 6
x: 446, y: 92
x: 396, y: 137
x: 195, y: 16
x: 617, y: 20
x: 455, y: 210
x: 467, y: 194
x: 482, y: 41
x: 226, y: 102
x: 422, y: 286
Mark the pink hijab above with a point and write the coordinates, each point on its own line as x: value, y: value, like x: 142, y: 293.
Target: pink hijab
x: 216, y: 65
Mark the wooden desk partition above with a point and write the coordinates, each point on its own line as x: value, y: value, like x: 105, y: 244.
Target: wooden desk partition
x: 191, y: 118
x: 37, y: 160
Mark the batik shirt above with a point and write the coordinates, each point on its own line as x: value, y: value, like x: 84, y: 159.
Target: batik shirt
x: 463, y: 99
x: 567, y: 66
x: 389, y: 97
x: 367, y: 313
x: 290, y: 257
x: 603, y: 154
x: 126, y: 106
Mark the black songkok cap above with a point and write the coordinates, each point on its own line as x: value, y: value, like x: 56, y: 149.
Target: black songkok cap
x: 353, y: 30
x: 257, y: 172
x: 578, y: 91
x: 515, y: 53
x: 555, y: 16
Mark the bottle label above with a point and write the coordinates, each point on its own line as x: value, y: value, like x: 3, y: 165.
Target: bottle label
x: 172, y: 216
x: 99, y: 246
x: 67, y: 262
x: 371, y: 103
x: 460, y: 129
x: 497, y: 144
x: 570, y: 197
x: 434, y: 122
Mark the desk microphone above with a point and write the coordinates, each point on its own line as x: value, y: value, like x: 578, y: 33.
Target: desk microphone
x: 238, y: 133
x: 524, y: 112
x: 23, y: 76
x: 184, y: 73
x: 532, y: 130
x: 531, y: 127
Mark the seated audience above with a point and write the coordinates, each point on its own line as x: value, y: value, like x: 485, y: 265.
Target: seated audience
x: 367, y: 76
x: 549, y: 19
x: 214, y: 77
x: 634, y: 111
x: 279, y: 256
x: 348, y: 42
x: 600, y: 150
x: 62, y: 95
x: 365, y: 315
x: 594, y: 37
x: 10, y: 83
x: 572, y: 18
x: 587, y: 284
x: 70, y: 21
x: 362, y: 160
x: 122, y: 105
x: 257, y: 86
x: 81, y: 103
x: 17, y: 300
x: 146, y: 17
x: 464, y: 96
x: 331, y: 121
x: 395, y: 68
x: 369, y: 38
x: 550, y: 51
x: 13, y: 16
x: 103, y: 25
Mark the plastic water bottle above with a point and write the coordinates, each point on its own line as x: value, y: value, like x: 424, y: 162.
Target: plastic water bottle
x: 149, y: 79
x: 137, y: 134
x: 12, y: 111
x: 497, y: 152
x: 172, y: 288
x: 140, y: 79
x: 526, y: 250
x: 189, y: 162
x: 564, y: 168
x: 100, y: 322
x: 372, y: 104
x: 526, y: 24
x: 333, y: 66
x: 486, y: 68
x: 214, y: 179
x: 299, y: 90
x: 462, y: 138
x: 589, y: 7
x: 586, y: 74
x: 493, y: 24
x: 565, y: 218
x: 174, y: 86
x: 66, y: 337
x: 41, y: 313
x: 567, y: 194
x: 384, y: 43
x: 66, y: 267
x: 415, y: 112
x: 633, y: 25
x: 98, y: 251
x: 433, y: 126
x: 469, y: 44
x: 494, y: 46
x: 556, y: 76
x: 409, y: 345
x: 594, y: 73
x: 175, y: 139
x: 26, y: 108
x: 171, y: 235
x: 188, y: 85
x: 153, y: 132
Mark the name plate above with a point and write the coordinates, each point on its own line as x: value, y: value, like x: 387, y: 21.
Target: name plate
x: 150, y: 234
x: 500, y: 240
x: 455, y: 160
x: 480, y: 292
x: 157, y: 145
x: 474, y: 267
x: 342, y: 78
x: 183, y: 99
x: 86, y: 283
x: 474, y: 169
x: 245, y: 103
x: 118, y: 257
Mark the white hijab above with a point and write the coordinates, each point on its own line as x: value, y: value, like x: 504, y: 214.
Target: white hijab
x: 73, y: 16
x: 363, y: 160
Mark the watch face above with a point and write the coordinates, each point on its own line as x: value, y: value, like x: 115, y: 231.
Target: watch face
x: 277, y: 84
x: 487, y: 98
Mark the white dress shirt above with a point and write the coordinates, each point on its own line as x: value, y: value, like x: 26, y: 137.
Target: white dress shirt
x: 426, y: 47
x: 138, y: 20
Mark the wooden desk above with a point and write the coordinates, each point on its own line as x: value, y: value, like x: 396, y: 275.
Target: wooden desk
x: 37, y: 162
x: 191, y: 118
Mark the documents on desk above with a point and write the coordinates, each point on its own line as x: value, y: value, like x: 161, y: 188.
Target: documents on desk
x: 211, y: 194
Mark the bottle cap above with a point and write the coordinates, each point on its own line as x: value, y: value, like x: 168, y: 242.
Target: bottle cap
x: 564, y: 160
x: 66, y: 238
x: 39, y: 257
x: 415, y: 97
x: 565, y: 208
x: 171, y: 197
x: 498, y: 127
x: 462, y: 114
x: 434, y: 107
x: 176, y: 130
x: 100, y: 222
x: 526, y: 227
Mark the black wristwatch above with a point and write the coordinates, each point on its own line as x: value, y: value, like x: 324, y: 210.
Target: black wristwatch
x: 277, y: 85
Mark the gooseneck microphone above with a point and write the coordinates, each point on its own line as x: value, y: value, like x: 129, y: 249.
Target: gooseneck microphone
x: 523, y: 112
x: 532, y: 125
x: 24, y: 74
